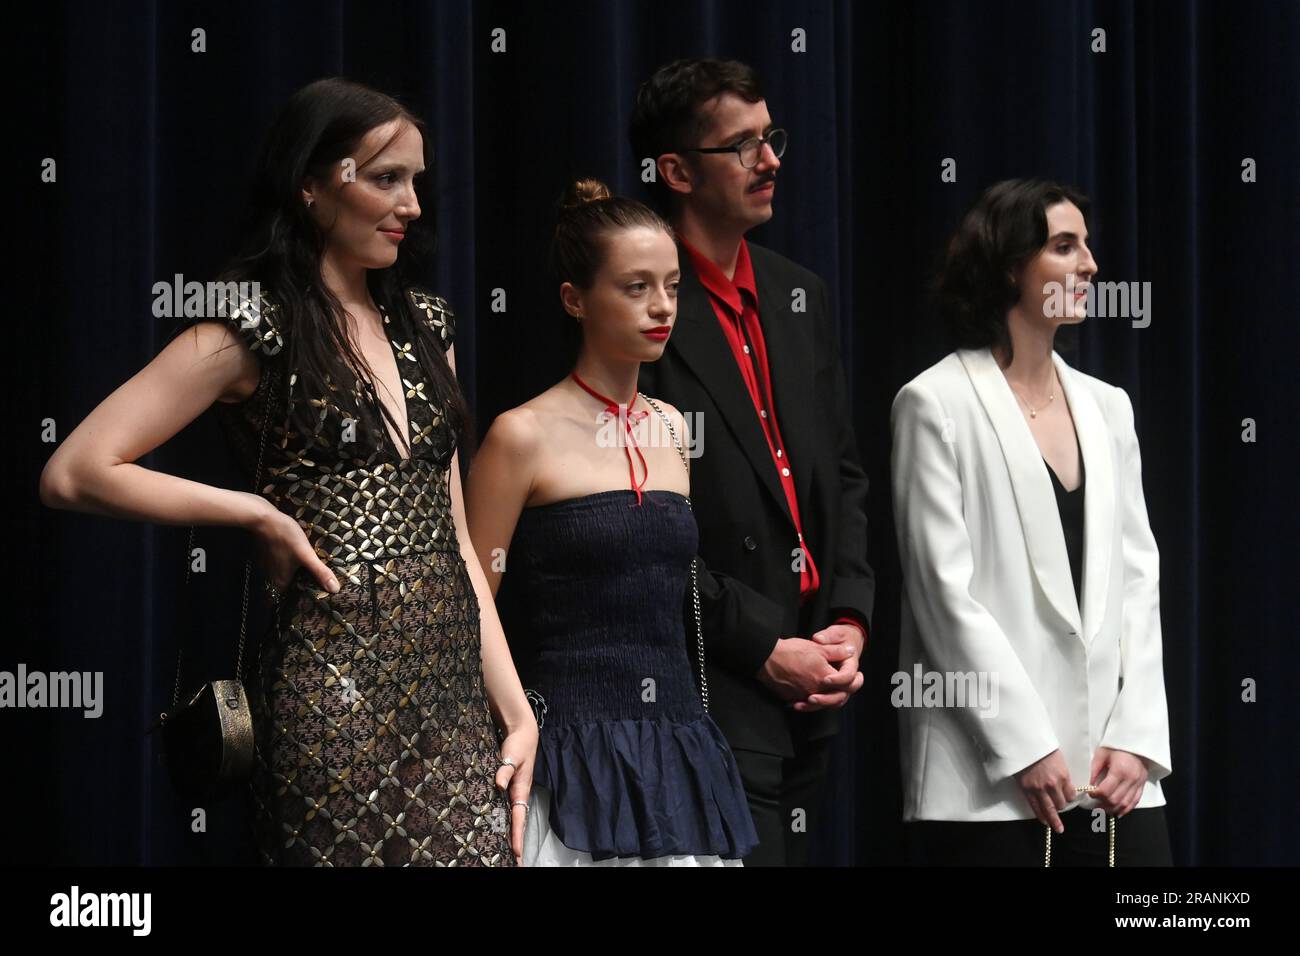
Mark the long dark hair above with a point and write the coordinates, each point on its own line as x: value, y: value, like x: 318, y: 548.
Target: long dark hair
x: 1003, y: 230
x: 281, y: 247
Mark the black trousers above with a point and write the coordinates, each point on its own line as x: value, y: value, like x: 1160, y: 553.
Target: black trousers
x: 1141, y: 839
x: 784, y: 799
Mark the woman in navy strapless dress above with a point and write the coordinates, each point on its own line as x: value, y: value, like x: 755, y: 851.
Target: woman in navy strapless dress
x: 592, y: 566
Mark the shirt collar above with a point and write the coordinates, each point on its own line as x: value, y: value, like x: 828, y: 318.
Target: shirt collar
x: 715, y: 280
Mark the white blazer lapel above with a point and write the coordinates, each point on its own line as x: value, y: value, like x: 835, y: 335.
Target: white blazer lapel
x: 1035, y: 499
x: 1098, y: 496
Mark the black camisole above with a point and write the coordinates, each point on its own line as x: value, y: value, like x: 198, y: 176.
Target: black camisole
x: 1070, y: 506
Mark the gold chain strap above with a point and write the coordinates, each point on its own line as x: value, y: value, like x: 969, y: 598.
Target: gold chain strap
x: 695, y: 585
x: 1047, y: 837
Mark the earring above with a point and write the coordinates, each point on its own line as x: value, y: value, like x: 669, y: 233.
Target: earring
x: 309, y: 203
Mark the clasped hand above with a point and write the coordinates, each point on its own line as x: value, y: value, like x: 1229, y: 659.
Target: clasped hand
x: 1117, y: 775
x: 817, y: 673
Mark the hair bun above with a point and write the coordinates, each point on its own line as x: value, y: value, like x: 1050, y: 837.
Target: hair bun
x: 583, y: 191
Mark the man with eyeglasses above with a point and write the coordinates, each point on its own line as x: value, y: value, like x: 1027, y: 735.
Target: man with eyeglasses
x: 779, y: 494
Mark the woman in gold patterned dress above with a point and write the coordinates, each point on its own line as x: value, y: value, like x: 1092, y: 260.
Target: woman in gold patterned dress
x: 374, y: 700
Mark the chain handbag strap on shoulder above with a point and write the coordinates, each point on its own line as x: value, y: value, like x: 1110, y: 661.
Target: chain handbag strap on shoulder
x: 695, y: 584
x: 1110, y: 826
x: 208, y: 739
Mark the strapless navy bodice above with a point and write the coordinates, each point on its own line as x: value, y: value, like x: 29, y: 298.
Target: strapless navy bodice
x: 596, y: 613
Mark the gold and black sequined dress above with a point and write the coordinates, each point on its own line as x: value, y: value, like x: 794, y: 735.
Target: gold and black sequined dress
x: 375, y: 744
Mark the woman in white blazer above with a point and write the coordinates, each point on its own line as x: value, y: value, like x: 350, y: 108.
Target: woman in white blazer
x: 1031, y: 687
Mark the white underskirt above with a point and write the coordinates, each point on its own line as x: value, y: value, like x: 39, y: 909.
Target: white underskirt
x: 543, y: 848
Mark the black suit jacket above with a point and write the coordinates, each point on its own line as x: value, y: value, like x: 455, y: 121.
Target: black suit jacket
x: 749, y: 589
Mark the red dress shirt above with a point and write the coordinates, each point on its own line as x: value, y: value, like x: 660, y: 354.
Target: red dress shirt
x: 735, y: 303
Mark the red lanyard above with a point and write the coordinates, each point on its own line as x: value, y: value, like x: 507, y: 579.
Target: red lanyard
x: 628, y: 418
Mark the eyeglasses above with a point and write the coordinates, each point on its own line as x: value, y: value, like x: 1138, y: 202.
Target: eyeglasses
x: 750, y: 150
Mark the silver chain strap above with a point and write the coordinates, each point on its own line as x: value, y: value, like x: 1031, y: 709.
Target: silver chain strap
x: 248, y: 565
x: 695, y: 585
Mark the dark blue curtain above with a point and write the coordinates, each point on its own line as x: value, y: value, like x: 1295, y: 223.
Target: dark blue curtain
x: 154, y: 144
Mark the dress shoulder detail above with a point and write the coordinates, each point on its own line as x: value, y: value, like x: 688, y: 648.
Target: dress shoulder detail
x: 435, y: 313
x: 256, y: 319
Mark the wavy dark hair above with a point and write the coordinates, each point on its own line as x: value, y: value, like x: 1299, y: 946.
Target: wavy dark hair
x: 666, y: 113
x: 281, y: 247
x: 1002, y: 231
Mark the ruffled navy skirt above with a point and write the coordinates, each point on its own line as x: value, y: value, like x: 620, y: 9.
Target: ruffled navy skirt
x: 647, y: 788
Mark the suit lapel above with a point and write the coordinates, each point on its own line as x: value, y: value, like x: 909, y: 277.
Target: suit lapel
x: 698, y: 340
x: 1035, y: 499
x: 1098, y: 495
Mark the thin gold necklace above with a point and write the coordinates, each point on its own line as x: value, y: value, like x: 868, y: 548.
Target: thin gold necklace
x: 1033, y: 412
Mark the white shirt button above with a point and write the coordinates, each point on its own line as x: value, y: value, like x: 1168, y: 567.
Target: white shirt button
x: 762, y: 412
x: 746, y: 348
x: 779, y: 453
x: 785, y: 472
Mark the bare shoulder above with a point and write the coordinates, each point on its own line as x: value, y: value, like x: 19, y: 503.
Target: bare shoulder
x: 207, y: 335
x: 516, y: 433
x: 216, y: 346
x: 544, y: 413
